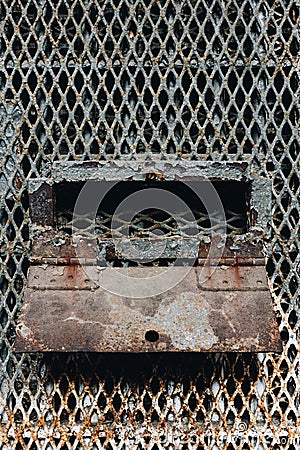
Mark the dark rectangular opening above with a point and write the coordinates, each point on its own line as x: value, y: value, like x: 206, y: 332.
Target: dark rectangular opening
x: 234, y: 197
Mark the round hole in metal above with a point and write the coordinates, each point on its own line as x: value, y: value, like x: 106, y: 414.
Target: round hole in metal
x: 151, y: 336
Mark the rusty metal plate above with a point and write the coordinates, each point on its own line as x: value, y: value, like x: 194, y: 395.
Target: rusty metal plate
x: 224, y: 278
x: 63, y: 316
x: 56, y: 277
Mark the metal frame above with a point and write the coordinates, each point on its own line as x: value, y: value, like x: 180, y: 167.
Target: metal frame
x: 41, y: 195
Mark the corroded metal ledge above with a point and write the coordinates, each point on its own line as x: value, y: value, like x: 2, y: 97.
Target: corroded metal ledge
x: 66, y: 309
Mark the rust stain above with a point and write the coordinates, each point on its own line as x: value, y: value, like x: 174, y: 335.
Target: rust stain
x: 237, y: 276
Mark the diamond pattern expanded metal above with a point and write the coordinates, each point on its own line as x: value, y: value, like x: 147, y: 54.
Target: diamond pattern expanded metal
x: 196, y: 79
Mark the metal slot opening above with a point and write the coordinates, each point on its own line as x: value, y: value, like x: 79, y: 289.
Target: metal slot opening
x: 179, y: 233
x: 233, y: 196
x: 197, y: 292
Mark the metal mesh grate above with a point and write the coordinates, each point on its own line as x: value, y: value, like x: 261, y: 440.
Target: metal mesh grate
x: 178, y: 78
x: 193, y: 79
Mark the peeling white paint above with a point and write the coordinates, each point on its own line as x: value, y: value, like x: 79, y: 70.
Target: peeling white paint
x: 194, y: 331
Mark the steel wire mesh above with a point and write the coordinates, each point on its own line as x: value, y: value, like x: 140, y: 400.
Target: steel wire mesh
x: 145, y: 223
